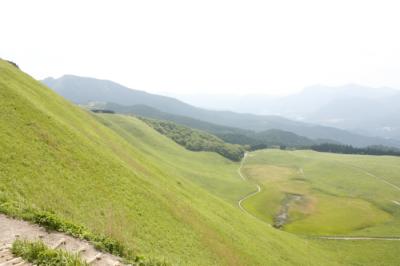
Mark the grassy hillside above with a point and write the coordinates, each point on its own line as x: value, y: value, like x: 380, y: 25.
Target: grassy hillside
x: 117, y: 176
x: 208, y: 170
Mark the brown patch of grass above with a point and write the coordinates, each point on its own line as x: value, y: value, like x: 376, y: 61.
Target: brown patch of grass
x: 268, y: 173
x: 306, y: 206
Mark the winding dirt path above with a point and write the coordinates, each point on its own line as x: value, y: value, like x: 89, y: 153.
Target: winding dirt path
x: 352, y: 238
x: 258, y: 190
x: 11, y: 229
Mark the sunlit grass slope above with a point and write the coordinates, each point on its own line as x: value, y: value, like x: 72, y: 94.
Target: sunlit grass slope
x: 342, y: 194
x: 363, y: 252
x: 211, y: 171
x: 121, y: 178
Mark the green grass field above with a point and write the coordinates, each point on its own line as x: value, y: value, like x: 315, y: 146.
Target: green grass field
x: 340, y: 195
x: 118, y: 177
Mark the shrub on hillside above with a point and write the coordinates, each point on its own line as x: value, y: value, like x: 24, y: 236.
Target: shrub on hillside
x: 196, y: 140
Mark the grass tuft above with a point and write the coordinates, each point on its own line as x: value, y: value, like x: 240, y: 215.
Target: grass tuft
x: 39, y: 254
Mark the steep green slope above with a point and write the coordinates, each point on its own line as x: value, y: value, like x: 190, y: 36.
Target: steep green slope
x: 209, y: 170
x: 131, y: 183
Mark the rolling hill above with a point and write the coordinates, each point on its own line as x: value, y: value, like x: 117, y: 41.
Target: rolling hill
x: 84, y: 90
x: 313, y: 193
x: 120, y: 178
x: 272, y: 137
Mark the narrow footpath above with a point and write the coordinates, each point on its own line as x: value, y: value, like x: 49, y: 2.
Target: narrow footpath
x: 12, y: 229
x: 258, y: 190
x: 359, y: 238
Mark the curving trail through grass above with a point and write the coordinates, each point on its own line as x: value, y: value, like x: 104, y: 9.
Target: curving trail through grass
x: 249, y: 195
x: 352, y: 238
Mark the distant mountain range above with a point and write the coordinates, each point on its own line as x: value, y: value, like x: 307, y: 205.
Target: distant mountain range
x: 360, y: 109
x: 82, y: 90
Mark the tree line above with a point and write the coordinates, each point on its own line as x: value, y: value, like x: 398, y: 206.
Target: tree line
x: 348, y: 149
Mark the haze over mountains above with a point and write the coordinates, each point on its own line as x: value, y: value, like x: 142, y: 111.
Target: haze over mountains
x: 361, y: 109
x: 83, y: 90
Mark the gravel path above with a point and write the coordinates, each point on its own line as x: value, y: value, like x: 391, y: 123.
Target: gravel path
x: 11, y: 229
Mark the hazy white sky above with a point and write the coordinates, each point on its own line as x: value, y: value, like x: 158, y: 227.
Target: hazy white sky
x: 274, y: 47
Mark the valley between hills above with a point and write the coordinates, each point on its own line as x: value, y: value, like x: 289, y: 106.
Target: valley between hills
x: 150, y: 191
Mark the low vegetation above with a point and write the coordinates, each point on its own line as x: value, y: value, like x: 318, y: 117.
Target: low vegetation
x: 39, y: 254
x: 50, y: 221
x: 196, y: 140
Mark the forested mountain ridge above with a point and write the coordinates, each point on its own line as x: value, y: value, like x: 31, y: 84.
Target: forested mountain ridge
x: 360, y: 109
x: 255, y: 140
x: 83, y: 90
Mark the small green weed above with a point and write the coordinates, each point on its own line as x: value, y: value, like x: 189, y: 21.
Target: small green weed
x: 39, y: 254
